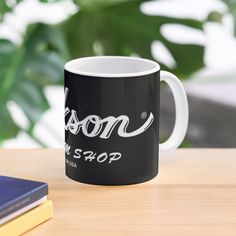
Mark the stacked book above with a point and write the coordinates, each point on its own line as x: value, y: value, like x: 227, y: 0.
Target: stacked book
x: 23, y: 205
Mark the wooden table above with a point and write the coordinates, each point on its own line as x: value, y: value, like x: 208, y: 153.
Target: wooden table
x: 194, y: 194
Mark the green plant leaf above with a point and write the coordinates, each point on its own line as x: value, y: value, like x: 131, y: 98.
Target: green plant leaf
x: 4, y: 7
x: 25, y: 70
x: 120, y: 28
x: 7, y: 6
x: 8, y: 128
x: 91, y: 5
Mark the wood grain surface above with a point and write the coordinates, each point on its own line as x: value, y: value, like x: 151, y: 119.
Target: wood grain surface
x: 194, y: 194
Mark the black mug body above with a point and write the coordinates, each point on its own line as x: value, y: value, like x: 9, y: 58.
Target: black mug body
x: 111, y: 127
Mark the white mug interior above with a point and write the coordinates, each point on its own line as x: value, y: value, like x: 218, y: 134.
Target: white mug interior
x: 112, y: 66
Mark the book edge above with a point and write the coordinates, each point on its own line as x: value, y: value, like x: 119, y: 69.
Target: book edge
x: 29, y: 220
x: 22, y: 210
x: 34, y: 195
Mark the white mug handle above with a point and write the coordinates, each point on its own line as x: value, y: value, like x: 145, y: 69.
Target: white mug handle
x: 181, y: 110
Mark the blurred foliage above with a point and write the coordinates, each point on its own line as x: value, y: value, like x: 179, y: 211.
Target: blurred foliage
x: 101, y: 27
x: 122, y: 29
x: 216, y: 16
x: 25, y: 71
x: 6, y: 6
x: 232, y: 10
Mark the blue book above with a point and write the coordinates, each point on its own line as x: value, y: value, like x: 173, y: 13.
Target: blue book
x: 17, y: 194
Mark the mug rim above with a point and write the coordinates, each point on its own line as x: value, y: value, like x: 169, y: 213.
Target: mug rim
x: 70, y: 66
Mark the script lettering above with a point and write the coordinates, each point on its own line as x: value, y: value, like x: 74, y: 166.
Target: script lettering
x: 93, y: 125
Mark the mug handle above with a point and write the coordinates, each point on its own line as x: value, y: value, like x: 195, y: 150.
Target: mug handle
x: 181, y: 110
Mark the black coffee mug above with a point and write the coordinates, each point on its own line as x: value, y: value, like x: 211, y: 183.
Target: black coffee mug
x: 112, y: 119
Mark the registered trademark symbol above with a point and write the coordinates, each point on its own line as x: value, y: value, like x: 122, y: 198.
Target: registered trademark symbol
x: 143, y: 115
